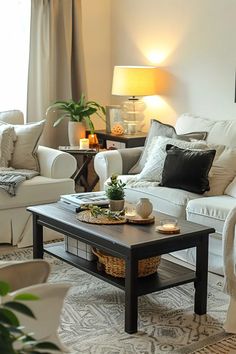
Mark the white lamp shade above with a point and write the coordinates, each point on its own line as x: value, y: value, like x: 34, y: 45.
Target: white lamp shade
x: 134, y: 81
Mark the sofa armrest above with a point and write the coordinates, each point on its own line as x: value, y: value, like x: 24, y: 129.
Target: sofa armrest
x: 115, y: 161
x: 55, y: 164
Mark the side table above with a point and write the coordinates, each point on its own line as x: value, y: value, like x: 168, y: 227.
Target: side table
x: 81, y: 174
x: 126, y: 140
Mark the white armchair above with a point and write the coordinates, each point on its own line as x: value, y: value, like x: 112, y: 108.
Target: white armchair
x: 56, y: 168
x: 23, y: 278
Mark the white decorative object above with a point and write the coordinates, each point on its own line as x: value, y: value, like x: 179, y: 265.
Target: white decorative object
x: 144, y: 207
x: 76, y: 131
x: 84, y: 144
x: 154, y: 165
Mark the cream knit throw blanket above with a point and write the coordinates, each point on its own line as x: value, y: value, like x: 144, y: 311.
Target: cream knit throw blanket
x: 10, y: 179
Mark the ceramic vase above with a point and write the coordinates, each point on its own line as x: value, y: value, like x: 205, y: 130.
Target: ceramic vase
x: 117, y: 205
x: 76, y: 131
x: 144, y: 208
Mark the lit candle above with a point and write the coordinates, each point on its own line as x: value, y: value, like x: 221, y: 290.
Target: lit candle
x: 130, y: 212
x: 169, y: 227
x: 84, y: 144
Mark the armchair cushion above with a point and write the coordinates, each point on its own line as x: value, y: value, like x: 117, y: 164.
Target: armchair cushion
x: 24, y: 154
x: 38, y: 190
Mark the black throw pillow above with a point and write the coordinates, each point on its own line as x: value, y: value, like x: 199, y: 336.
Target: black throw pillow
x: 187, y: 169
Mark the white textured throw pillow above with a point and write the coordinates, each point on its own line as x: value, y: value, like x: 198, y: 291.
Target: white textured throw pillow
x: 7, y: 138
x: 153, y: 168
x: 24, y: 155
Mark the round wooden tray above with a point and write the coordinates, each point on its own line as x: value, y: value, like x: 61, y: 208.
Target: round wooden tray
x: 160, y: 229
x: 136, y: 219
x: 86, y: 216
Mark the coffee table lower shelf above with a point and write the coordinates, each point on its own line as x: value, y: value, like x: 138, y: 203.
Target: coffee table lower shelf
x: 169, y: 274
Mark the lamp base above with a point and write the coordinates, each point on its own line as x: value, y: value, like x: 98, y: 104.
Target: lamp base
x: 133, y: 115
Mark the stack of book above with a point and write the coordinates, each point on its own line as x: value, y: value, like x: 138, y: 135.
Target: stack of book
x: 75, y: 202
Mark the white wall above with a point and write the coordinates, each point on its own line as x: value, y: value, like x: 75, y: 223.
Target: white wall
x: 193, y: 40
x: 97, y: 52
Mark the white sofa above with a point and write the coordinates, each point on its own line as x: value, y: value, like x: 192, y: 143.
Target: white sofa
x: 56, y: 168
x: 206, y: 210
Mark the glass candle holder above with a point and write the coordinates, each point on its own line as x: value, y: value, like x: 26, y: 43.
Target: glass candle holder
x: 168, y: 226
x: 93, y: 141
x: 130, y: 210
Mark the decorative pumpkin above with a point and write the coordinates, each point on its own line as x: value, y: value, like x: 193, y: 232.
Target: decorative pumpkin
x: 117, y: 129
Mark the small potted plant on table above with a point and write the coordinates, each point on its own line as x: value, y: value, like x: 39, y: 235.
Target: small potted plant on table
x: 115, y: 193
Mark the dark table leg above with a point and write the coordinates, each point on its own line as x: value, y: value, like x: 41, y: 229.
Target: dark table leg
x: 37, y: 238
x: 200, y: 302
x: 131, y: 298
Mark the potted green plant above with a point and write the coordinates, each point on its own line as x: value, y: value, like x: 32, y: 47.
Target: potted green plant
x: 79, y: 113
x: 115, y: 192
x: 13, y: 338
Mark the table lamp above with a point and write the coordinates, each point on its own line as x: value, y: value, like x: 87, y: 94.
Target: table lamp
x: 134, y: 81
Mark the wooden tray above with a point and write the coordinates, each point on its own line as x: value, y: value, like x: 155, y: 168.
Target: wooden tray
x: 86, y: 216
x: 136, y: 219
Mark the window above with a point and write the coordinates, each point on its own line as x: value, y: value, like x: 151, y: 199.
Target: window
x: 14, y: 44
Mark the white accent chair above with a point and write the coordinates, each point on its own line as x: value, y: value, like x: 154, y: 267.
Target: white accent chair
x: 30, y: 277
x: 56, y: 168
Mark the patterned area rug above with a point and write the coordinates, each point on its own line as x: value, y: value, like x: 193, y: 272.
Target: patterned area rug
x: 93, y: 317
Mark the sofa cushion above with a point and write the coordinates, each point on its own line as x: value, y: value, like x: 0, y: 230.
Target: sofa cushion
x: 210, y: 211
x: 218, y: 130
x: 187, y: 169
x: 160, y: 129
x: 24, y: 155
x: 166, y: 200
x: 153, y: 168
x: 38, y: 190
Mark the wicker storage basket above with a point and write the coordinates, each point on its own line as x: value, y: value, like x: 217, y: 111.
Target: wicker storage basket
x: 116, y: 266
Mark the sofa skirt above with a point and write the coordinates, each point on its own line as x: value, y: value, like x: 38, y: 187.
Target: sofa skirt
x: 17, y: 228
x: 215, y: 263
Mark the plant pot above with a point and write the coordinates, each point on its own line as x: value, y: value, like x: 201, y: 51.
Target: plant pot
x: 117, y: 205
x: 76, y: 131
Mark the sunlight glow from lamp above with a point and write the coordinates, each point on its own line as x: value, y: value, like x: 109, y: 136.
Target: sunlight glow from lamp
x: 154, y: 102
x: 156, y: 57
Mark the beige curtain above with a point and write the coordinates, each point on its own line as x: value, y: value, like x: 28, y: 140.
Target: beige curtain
x: 56, y: 65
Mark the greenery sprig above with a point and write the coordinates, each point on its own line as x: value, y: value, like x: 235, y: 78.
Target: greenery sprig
x: 96, y: 211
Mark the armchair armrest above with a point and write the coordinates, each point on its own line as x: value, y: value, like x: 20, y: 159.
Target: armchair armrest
x: 55, y: 164
x: 115, y: 161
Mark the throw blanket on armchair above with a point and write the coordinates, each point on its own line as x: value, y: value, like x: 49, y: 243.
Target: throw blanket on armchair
x: 229, y: 269
x: 10, y: 179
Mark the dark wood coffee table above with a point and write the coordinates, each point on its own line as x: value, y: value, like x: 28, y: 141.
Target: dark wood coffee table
x: 131, y: 242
